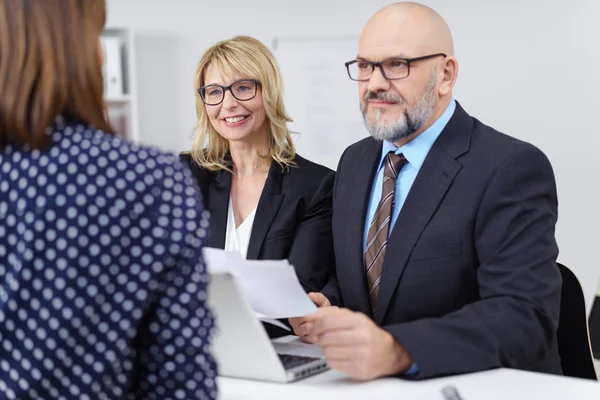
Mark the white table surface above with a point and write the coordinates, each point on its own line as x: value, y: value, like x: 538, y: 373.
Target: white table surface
x: 500, y: 384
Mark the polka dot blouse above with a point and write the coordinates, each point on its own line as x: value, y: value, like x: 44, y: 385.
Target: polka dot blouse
x: 102, y: 284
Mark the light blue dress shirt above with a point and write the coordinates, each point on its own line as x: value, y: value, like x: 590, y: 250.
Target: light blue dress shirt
x: 415, y: 152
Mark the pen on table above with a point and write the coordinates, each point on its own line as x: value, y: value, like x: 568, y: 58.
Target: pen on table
x: 450, y: 393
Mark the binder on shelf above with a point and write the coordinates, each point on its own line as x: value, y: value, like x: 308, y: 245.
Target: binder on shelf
x: 117, y: 117
x: 595, y: 324
x: 113, y: 67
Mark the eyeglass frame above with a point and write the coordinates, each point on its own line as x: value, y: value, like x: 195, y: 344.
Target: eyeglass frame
x: 378, y: 65
x: 228, y: 88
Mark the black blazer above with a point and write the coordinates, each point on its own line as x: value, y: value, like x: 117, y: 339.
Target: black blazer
x: 470, y: 280
x: 292, y: 221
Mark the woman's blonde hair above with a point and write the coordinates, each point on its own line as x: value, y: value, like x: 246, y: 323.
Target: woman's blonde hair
x: 49, y: 65
x: 254, y: 60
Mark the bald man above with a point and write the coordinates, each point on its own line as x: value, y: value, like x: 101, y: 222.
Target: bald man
x: 443, y: 227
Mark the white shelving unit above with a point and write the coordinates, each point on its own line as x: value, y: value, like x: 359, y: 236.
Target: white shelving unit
x: 122, y: 107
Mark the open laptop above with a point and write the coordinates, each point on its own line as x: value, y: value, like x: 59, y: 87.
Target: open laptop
x: 242, y: 347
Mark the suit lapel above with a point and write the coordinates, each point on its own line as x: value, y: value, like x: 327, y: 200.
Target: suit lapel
x: 430, y: 186
x: 268, y: 205
x: 218, y: 197
x: 358, y: 200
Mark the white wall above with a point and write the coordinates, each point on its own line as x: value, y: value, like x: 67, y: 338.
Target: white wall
x: 528, y: 68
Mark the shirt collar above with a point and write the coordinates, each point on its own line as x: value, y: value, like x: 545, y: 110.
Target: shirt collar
x: 417, y: 149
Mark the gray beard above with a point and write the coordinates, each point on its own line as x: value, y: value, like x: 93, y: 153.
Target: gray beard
x: 410, y: 121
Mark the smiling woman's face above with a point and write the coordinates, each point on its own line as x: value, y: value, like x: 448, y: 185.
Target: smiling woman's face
x: 233, y: 119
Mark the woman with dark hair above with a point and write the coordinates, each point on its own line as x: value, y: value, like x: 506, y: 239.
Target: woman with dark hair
x: 102, y: 284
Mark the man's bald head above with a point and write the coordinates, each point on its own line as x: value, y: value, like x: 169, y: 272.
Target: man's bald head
x: 400, y: 99
x: 415, y: 28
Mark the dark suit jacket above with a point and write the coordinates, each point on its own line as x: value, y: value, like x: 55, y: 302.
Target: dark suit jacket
x: 292, y: 221
x: 469, y: 279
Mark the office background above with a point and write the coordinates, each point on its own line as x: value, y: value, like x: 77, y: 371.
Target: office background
x: 529, y: 68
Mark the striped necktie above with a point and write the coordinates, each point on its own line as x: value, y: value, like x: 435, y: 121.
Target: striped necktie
x: 380, y: 226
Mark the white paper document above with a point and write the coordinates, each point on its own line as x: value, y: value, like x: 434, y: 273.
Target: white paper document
x: 271, y: 286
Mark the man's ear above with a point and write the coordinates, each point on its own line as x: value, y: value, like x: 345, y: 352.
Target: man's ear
x: 449, y: 72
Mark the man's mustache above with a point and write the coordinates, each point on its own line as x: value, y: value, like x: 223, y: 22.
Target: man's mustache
x: 383, y: 96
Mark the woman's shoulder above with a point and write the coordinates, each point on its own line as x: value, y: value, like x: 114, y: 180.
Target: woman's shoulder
x: 203, y: 175
x: 308, y: 177
x: 304, y: 166
x: 186, y: 156
x: 82, y: 155
x: 198, y: 170
x: 75, y: 138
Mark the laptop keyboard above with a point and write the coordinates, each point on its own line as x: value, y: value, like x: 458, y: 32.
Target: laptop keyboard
x: 289, y: 361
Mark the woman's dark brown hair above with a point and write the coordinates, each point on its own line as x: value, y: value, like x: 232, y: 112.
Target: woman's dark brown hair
x: 50, y: 65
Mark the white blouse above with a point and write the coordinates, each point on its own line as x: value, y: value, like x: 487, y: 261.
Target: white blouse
x: 237, y: 239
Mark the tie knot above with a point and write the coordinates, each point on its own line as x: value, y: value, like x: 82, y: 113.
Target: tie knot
x: 393, y: 164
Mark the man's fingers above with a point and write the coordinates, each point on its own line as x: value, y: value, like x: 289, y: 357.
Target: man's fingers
x: 304, y: 329
x: 325, y: 312
x: 340, y: 338
x: 319, y: 299
x: 310, y: 339
x: 296, y: 321
x: 306, y: 333
x: 332, y: 318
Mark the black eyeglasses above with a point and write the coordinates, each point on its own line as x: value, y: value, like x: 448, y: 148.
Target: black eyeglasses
x: 391, y: 69
x: 242, y: 90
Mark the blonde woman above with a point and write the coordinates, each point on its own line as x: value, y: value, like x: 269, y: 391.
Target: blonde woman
x: 265, y: 200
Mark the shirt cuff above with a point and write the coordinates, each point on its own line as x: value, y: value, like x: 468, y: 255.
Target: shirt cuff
x: 413, y: 370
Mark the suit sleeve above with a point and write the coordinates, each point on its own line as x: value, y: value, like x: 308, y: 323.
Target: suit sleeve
x: 311, y: 251
x: 514, y: 322
x: 332, y: 289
